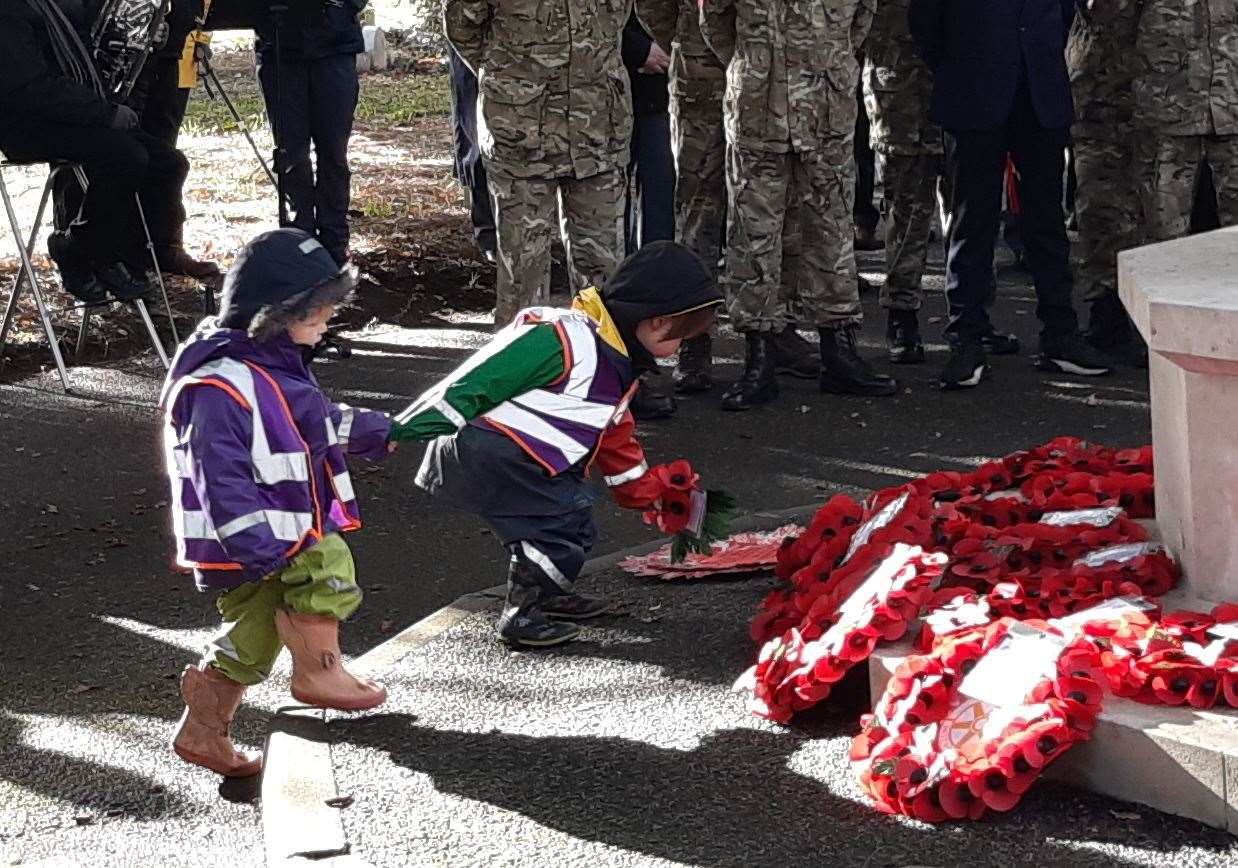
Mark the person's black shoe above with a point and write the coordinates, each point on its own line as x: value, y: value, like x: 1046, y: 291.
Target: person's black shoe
x: 651, y: 401
x: 758, y: 384
x: 966, y: 367
x: 868, y: 239
x: 121, y: 284
x: 176, y: 260
x: 1071, y: 354
x: 795, y: 356
x: 75, y: 273
x: 524, y: 624
x: 843, y: 372
x: 1111, y: 332
x: 1000, y: 344
x: 575, y: 607
x: 903, y: 344
x: 693, y: 372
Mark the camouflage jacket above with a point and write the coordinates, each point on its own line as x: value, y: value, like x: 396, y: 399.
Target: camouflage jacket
x: 553, y: 95
x: 791, y: 68
x: 897, y: 86
x: 1102, y: 66
x: 1186, y: 78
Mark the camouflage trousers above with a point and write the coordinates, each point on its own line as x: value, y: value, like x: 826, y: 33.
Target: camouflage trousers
x: 912, y: 186
x: 1107, y: 208
x: 790, y: 238
x: 699, y: 142
x: 1169, y: 186
x: 590, y: 212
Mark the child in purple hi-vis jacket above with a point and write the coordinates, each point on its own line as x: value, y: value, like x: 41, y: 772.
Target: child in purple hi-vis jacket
x: 261, y: 492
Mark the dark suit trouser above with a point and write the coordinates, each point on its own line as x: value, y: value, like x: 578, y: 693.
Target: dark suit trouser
x: 649, y: 212
x: 319, y: 99
x: 470, y: 170
x: 864, y: 211
x: 975, y: 163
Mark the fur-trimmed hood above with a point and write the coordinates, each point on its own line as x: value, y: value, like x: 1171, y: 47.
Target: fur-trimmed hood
x: 278, y: 278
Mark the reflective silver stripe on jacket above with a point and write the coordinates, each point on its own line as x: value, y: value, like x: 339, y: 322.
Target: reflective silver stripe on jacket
x: 627, y: 476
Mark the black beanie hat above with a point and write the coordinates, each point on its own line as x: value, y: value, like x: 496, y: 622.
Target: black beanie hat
x: 278, y: 278
x: 661, y: 279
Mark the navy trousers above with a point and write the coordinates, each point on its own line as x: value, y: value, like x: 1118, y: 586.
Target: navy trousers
x: 470, y: 170
x: 319, y: 99
x: 649, y: 213
x: 546, y: 550
x: 975, y: 165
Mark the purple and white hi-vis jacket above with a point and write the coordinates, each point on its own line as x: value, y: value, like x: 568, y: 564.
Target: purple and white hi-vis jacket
x: 560, y: 424
x: 255, y: 455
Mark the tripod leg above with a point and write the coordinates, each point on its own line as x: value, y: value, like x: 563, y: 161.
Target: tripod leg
x: 150, y: 329
x: 154, y: 260
x: 236, y: 116
x: 34, y: 285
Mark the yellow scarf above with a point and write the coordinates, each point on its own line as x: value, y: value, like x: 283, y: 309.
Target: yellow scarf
x: 589, y: 302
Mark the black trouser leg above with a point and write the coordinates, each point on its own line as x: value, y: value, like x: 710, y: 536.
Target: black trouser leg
x: 650, y: 207
x: 864, y: 209
x: 975, y: 168
x: 470, y: 170
x: 548, y: 551
x: 1040, y: 157
x: 116, y: 164
x: 162, y: 114
x: 333, y: 103
x: 290, y: 123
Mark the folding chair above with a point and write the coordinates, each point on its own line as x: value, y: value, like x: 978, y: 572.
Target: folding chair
x: 27, y: 274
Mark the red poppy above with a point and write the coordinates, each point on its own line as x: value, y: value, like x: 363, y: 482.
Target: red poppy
x: 1227, y: 669
x: 993, y: 788
x: 957, y: 799
x: 1173, y: 676
x: 676, y: 476
x: 675, y: 511
x: 1225, y: 613
x: 1187, y: 625
x: 927, y: 806
x: 1012, y: 760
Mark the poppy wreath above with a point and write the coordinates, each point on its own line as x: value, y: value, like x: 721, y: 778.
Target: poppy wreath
x: 1165, y: 661
x: 842, y: 545
x: 799, y: 668
x: 802, y: 561
x: 924, y: 753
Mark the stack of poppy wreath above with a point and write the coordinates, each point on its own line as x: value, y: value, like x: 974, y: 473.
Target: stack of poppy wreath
x: 931, y: 751
x: 1038, y: 534
x: 1181, y: 658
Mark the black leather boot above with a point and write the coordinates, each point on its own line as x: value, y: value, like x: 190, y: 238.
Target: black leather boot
x: 843, y: 372
x: 693, y: 373
x: 1111, y: 331
x: 795, y: 356
x: 758, y: 384
x: 652, y: 399
x: 903, y: 344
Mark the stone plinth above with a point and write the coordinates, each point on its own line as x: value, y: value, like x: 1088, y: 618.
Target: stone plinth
x: 1183, y: 297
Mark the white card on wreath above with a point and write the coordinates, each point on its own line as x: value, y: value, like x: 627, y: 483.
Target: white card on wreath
x: 1006, y: 674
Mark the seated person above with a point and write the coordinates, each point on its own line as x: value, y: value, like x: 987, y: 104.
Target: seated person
x: 46, y: 115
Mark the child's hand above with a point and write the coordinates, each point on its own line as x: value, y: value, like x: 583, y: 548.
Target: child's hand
x: 391, y: 447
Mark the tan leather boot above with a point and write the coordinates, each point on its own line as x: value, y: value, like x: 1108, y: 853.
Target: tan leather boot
x: 203, y: 737
x: 318, y: 677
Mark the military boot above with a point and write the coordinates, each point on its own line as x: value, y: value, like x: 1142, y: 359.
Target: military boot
x: 652, y: 399
x: 1110, y: 330
x: 843, y: 372
x: 693, y: 373
x: 795, y: 356
x: 757, y: 385
x: 903, y: 344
